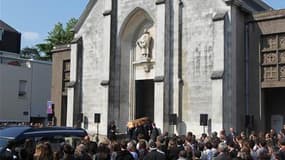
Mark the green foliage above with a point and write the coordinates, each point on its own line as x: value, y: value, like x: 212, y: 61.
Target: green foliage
x: 59, y: 35
x: 45, y: 48
x: 30, y: 53
x: 68, y: 29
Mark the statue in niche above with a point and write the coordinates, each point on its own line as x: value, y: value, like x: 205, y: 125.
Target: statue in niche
x: 144, y: 43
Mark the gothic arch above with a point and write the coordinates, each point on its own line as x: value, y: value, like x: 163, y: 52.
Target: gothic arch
x: 136, y: 19
x: 131, y: 28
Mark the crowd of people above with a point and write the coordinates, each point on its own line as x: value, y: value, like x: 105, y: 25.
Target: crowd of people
x: 147, y: 143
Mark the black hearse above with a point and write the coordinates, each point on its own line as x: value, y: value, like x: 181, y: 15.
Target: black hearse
x: 55, y: 135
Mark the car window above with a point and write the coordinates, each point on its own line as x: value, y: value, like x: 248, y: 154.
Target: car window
x: 73, y: 141
x: 55, y: 141
x: 3, y: 143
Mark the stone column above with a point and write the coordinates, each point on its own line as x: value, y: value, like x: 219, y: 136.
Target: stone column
x: 70, y: 91
x: 177, y: 70
x: 217, y: 74
x: 159, y: 109
x: 106, y: 68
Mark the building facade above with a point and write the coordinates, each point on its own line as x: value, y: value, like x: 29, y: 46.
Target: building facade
x: 266, y: 41
x: 24, y: 89
x: 24, y: 83
x: 10, y: 39
x: 60, y: 82
x: 164, y: 59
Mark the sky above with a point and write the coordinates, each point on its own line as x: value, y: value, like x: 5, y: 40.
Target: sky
x: 276, y: 4
x: 35, y: 18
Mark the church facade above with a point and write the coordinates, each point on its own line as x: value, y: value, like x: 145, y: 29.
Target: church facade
x: 169, y: 60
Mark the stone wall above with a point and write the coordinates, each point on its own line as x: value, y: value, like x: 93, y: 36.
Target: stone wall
x: 198, y: 60
x: 93, y: 98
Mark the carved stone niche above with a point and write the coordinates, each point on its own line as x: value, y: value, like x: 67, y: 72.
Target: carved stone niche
x: 282, y: 72
x: 269, y: 43
x: 282, y: 57
x: 270, y: 73
x: 281, y: 41
x: 144, y: 46
x: 269, y: 58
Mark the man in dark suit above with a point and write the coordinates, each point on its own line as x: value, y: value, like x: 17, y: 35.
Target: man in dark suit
x: 112, y: 131
x: 154, y: 132
x: 153, y: 153
x: 231, y: 136
x: 90, y: 145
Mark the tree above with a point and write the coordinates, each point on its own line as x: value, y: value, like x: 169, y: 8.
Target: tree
x: 30, y: 53
x: 68, y: 29
x: 59, y: 35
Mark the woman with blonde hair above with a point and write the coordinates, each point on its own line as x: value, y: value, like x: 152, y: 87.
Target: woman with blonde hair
x: 38, y: 151
x: 43, y: 152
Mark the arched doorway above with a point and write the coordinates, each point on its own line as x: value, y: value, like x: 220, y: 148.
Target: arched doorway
x: 136, y: 66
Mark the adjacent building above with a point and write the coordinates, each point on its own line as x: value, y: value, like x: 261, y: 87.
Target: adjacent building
x: 60, y: 82
x: 265, y: 55
x: 24, y: 89
x: 10, y: 39
x: 25, y: 84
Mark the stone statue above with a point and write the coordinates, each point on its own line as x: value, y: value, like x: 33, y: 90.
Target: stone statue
x: 144, y: 44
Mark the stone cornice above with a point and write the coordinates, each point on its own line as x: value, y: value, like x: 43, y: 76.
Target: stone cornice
x: 61, y: 48
x: 237, y: 3
x: 244, y: 7
x: 219, y: 16
x: 269, y: 15
x: 107, y: 12
x: 158, y: 2
x: 76, y: 40
x: 105, y: 83
x: 217, y: 75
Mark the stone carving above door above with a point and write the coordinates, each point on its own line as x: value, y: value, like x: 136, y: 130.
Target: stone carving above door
x: 144, y: 43
x: 282, y: 72
x: 269, y: 58
x: 281, y: 42
x: 269, y: 43
x: 144, y: 47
